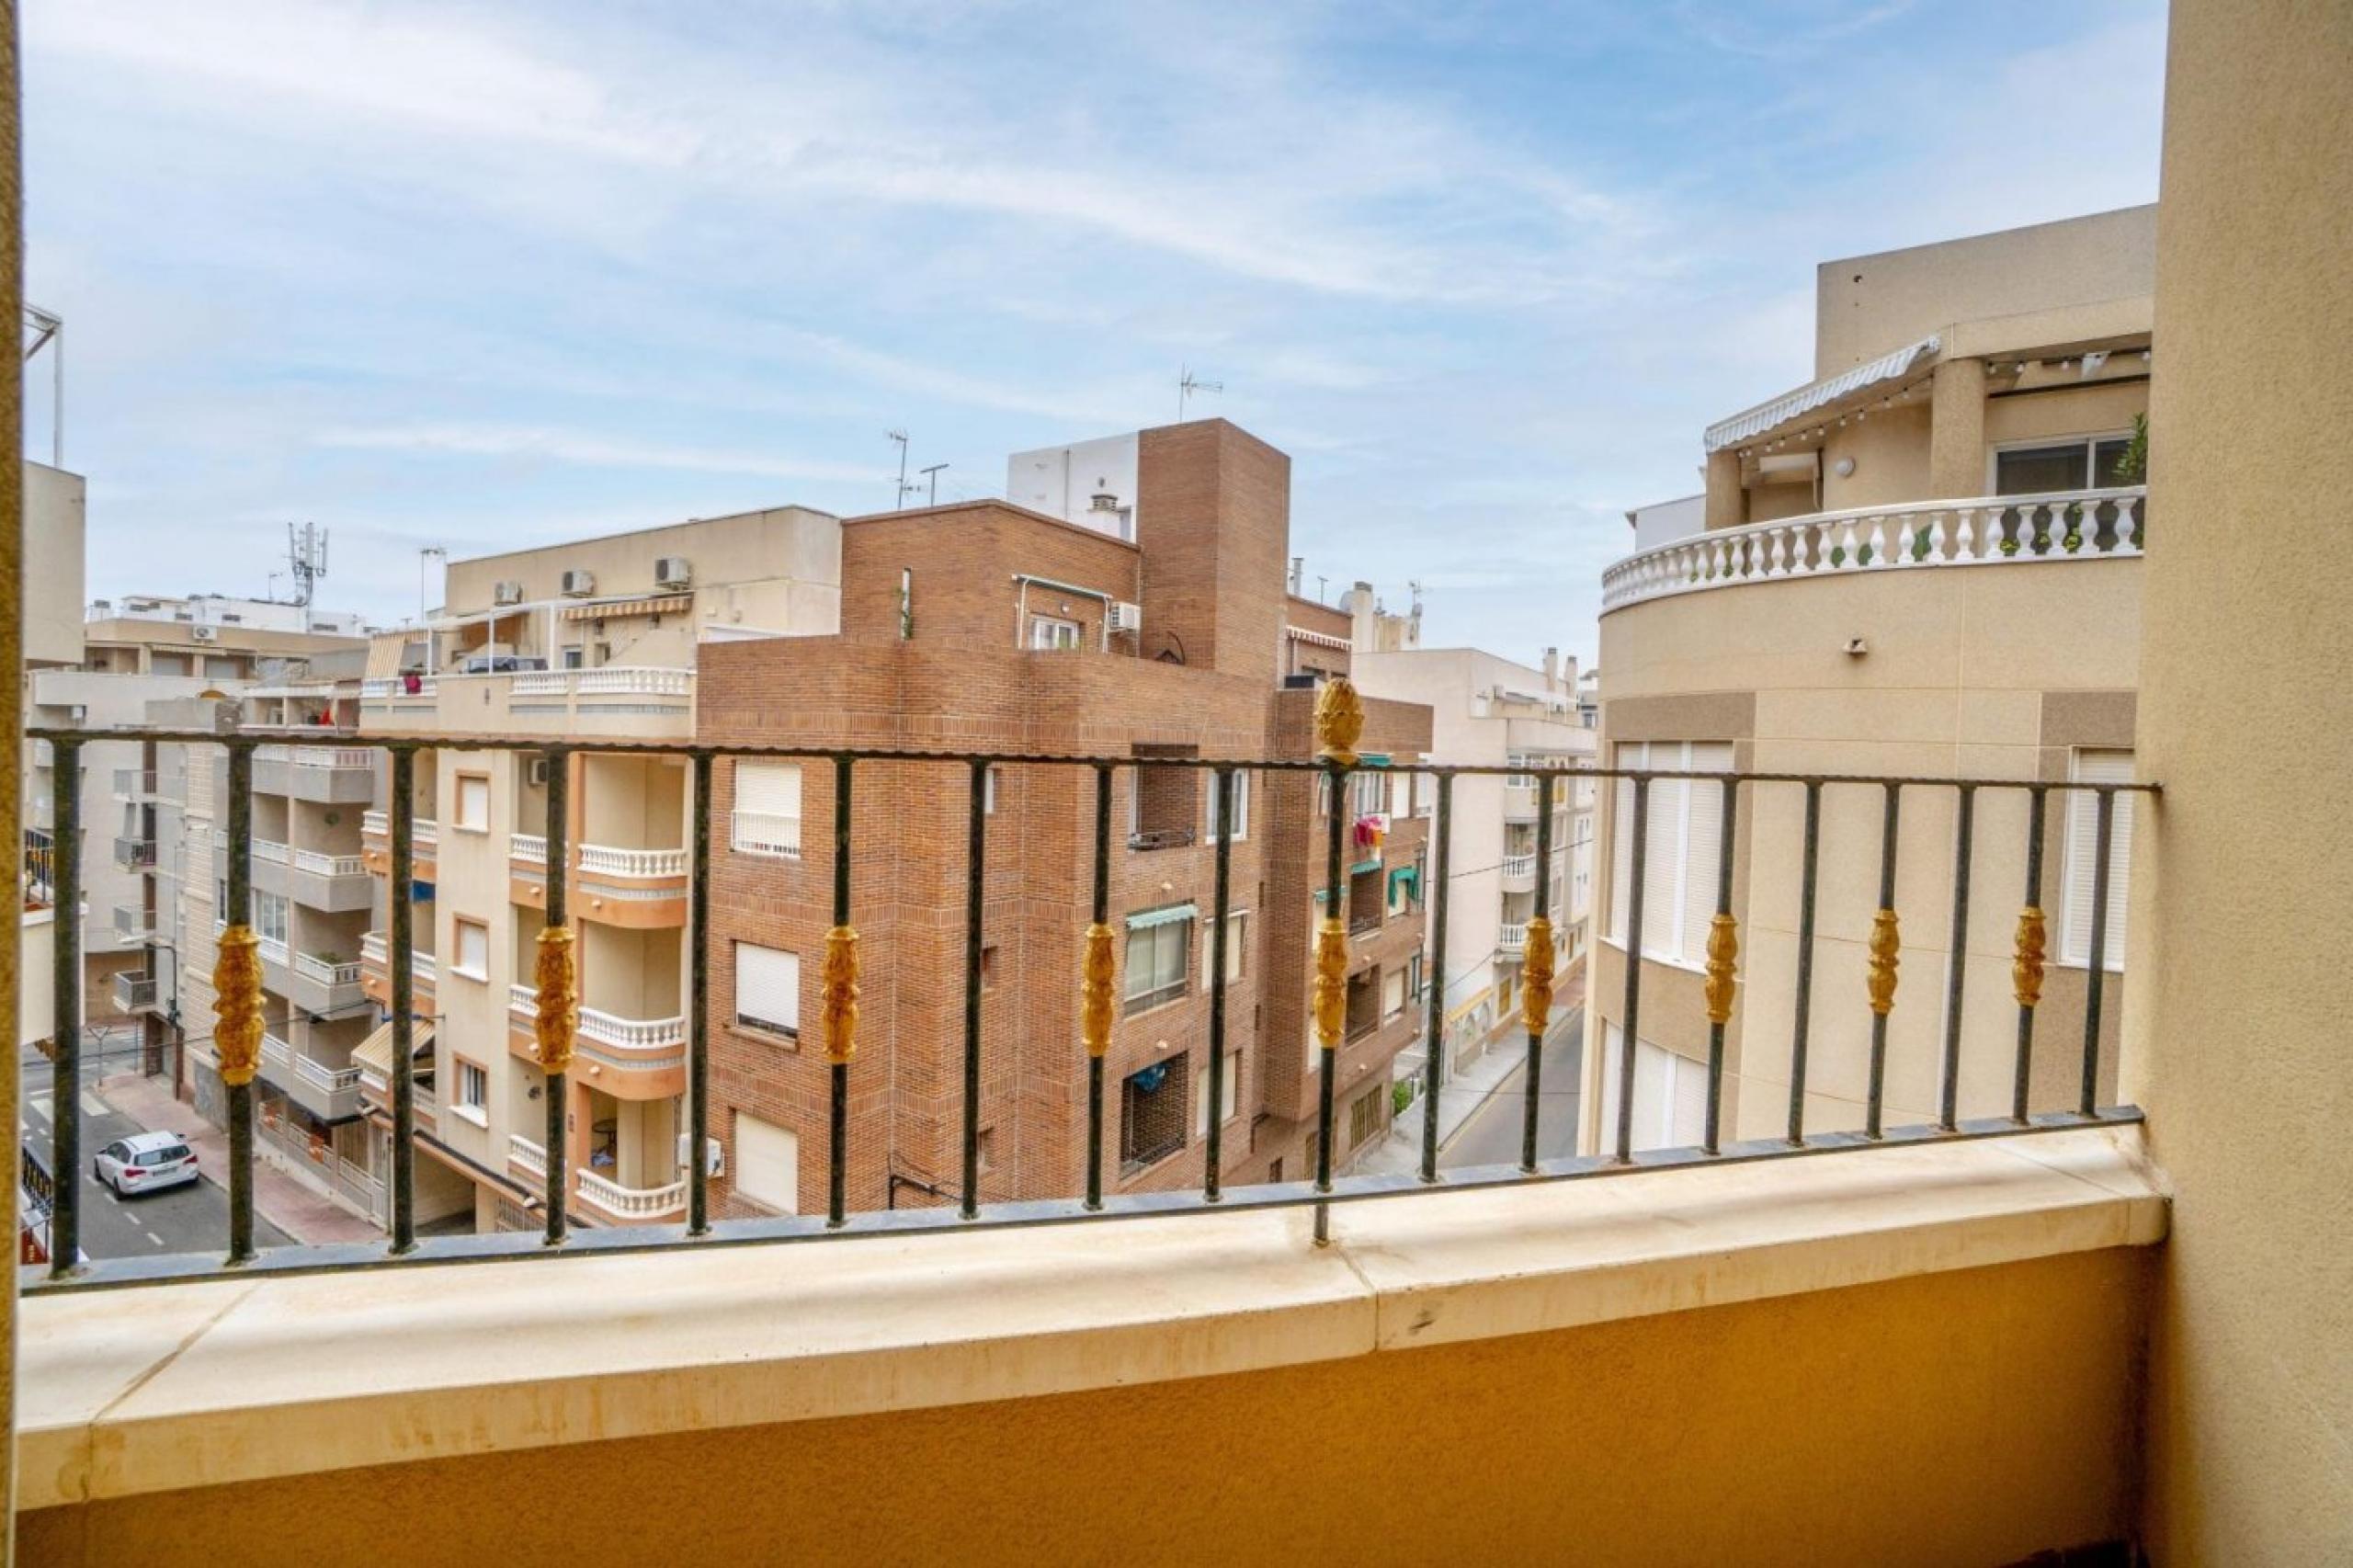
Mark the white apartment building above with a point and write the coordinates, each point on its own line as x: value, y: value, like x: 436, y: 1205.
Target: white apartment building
x: 594, y: 639
x: 1487, y: 712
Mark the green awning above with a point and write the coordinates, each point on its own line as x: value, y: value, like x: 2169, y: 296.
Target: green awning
x: 1152, y: 917
x: 1409, y: 876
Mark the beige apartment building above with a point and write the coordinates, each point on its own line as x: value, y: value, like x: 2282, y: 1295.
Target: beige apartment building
x: 596, y: 639
x: 1491, y: 712
x: 1925, y: 561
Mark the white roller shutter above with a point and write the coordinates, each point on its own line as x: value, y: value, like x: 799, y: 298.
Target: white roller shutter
x: 1703, y: 846
x: 767, y: 819
x: 768, y: 1162
x: 474, y: 802
x: 2083, y: 855
x: 767, y: 988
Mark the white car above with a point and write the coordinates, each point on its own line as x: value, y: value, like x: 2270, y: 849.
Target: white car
x: 145, y: 1164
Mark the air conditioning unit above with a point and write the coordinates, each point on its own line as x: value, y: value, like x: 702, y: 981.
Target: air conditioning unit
x: 714, y: 1155
x: 535, y: 772
x: 673, y: 572
x: 205, y: 633
x: 579, y: 585
x: 507, y: 593
x: 1126, y: 617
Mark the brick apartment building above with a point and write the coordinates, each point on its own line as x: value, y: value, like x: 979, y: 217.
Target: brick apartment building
x: 1149, y: 621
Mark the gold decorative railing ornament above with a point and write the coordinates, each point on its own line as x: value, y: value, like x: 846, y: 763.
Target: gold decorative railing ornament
x: 1331, y: 981
x: 1723, y: 954
x: 1885, y: 946
x: 1096, y: 976
x: 2026, y: 966
x: 1339, y: 721
x: 839, y: 998
x: 1536, y: 975
x: 557, y: 1015
x: 236, y: 1004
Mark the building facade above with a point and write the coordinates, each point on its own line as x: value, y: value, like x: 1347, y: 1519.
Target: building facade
x: 599, y: 640
x: 1155, y: 629
x: 1924, y: 563
x: 1489, y: 711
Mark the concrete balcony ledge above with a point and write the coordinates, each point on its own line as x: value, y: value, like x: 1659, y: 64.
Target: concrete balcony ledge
x: 132, y: 1392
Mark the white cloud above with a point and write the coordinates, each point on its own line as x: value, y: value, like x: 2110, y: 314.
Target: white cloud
x: 585, y: 449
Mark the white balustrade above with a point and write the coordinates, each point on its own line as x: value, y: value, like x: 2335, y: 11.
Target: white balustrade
x: 1511, y: 937
x: 636, y: 1203
x: 527, y: 846
x: 320, y: 865
x: 522, y: 999
x: 521, y: 1151
x: 541, y: 683
x: 1519, y: 870
x: 272, y: 949
x: 274, y: 1050
x: 326, y: 1079
x: 628, y: 1034
x: 607, y: 860
x: 327, y: 972
x: 374, y: 949
x: 377, y: 823
x: 324, y: 756
x: 2078, y: 525
x: 630, y: 681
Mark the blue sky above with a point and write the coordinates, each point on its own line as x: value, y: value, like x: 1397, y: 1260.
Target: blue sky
x: 488, y: 274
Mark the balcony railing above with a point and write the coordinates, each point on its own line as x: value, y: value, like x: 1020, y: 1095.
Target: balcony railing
x: 379, y: 824
x: 606, y: 861
x: 1511, y: 937
x: 135, y: 854
x: 133, y: 993
x: 2072, y: 524
x: 359, y: 757
x: 327, y: 971
x: 132, y: 926
x: 529, y: 847
x: 134, y: 784
x: 765, y: 833
x: 1096, y: 983
x: 633, y: 1203
x: 526, y: 1155
x: 373, y: 951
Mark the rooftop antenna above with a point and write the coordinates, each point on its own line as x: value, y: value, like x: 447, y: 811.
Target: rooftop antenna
x: 900, y: 499
x: 933, y: 474
x: 48, y: 332
x: 306, y: 556
x: 1187, y: 384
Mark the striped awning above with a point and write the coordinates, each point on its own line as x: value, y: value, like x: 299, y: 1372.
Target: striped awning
x: 1152, y: 917
x: 1806, y: 399
x: 608, y: 610
x: 374, y: 1054
x: 1321, y: 638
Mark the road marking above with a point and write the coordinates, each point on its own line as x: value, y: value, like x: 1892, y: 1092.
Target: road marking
x: 38, y: 1108
x: 156, y: 1238
x: 93, y: 1106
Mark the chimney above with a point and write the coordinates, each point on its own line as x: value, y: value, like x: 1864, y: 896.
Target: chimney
x: 1297, y: 571
x: 1552, y: 668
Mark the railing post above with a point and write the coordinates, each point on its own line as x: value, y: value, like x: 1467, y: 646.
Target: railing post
x: 840, y: 989
x: 2096, y: 959
x: 1098, y: 979
x: 698, y: 999
x: 1723, y: 955
x: 236, y: 984
x: 1957, y: 967
x: 1434, y: 1029
x: 400, y: 916
x: 66, y: 992
x: 1222, y: 781
x: 1886, y: 950
x: 557, y: 1019
x: 1638, y: 860
x: 976, y: 894
x: 1805, y: 960
x: 1536, y: 976
x: 1339, y: 721
x: 2026, y: 962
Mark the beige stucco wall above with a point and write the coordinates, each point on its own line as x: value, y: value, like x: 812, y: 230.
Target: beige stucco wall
x: 56, y: 512
x: 1976, y: 672
x: 1551, y: 1448
x: 1866, y: 305
x: 2238, y: 1034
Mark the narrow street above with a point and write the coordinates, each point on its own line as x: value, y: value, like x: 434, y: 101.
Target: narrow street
x: 1492, y: 1135
x: 193, y: 1218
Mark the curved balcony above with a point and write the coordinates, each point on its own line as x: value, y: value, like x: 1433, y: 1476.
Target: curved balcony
x: 1992, y: 530
x: 630, y: 1203
x: 1511, y: 937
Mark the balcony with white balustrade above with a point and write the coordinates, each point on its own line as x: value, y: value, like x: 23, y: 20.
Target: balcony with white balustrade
x: 611, y: 701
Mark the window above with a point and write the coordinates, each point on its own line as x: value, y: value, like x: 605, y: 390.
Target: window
x: 988, y: 791
x: 1670, y: 1094
x: 1052, y: 634
x: 2083, y: 861
x: 767, y: 819
x: 1365, y: 788
x: 474, y: 802
x: 768, y: 1162
x: 1364, y: 899
x: 1425, y: 793
x: 473, y: 1093
x: 1157, y: 956
x: 574, y: 656
x: 1152, y: 1113
x: 2082, y: 462
x: 1392, y: 993
x: 1229, y: 1094
x: 1241, y: 808
x: 768, y: 989
x: 988, y: 967
x: 269, y: 916
x: 1680, y: 860
x: 1237, y: 942
x: 1364, y: 1115
x: 473, y: 955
